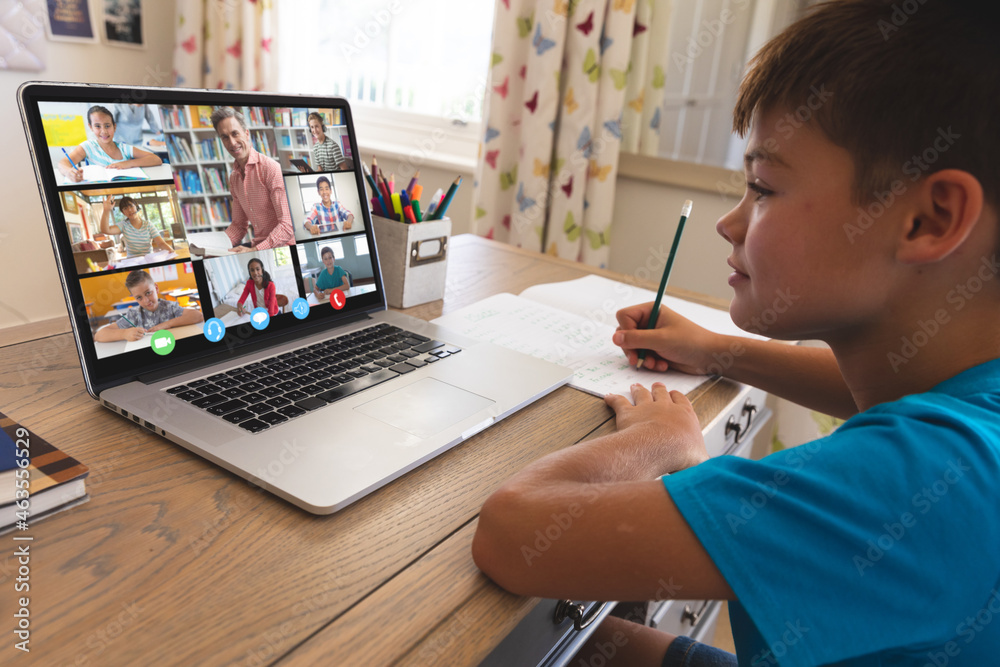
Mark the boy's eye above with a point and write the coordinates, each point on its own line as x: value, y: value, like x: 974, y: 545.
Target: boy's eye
x: 758, y: 190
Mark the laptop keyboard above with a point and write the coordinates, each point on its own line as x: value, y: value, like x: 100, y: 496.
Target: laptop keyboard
x: 272, y: 391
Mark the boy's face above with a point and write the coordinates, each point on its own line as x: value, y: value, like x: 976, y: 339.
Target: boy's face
x: 797, y: 273
x: 146, y: 294
x: 324, y: 192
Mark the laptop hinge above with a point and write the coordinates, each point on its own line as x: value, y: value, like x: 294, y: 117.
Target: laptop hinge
x: 203, y: 362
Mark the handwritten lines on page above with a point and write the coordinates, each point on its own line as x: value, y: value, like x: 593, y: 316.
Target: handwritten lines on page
x: 542, y: 331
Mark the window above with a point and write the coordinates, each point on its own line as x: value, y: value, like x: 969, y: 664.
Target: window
x: 424, y: 56
x: 335, y: 245
x: 407, y: 67
x: 360, y: 245
x: 709, y: 43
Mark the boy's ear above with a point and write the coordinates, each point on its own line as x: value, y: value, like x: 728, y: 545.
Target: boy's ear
x: 948, y: 205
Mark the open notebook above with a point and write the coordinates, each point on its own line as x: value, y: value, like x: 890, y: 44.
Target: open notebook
x: 571, y: 323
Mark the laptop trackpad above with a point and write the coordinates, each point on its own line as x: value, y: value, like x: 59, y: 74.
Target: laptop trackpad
x: 425, y: 407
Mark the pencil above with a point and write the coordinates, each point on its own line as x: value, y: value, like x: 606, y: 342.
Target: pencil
x: 655, y: 313
x: 70, y: 159
x: 442, y: 208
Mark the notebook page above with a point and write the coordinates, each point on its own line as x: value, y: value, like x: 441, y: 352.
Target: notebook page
x: 598, y: 299
x: 561, y: 337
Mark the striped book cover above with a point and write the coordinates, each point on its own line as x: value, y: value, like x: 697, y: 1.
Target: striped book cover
x: 57, y: 479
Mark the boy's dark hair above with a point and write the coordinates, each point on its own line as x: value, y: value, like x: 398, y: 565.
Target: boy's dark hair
x: 136, y: 278
x: 125, y: 201
x: 907, y: 87
x: 326, y: 249
x: 323, y: 179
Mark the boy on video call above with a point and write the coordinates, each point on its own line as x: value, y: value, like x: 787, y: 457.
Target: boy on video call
x: 149, y: 316
x: 870, y: 216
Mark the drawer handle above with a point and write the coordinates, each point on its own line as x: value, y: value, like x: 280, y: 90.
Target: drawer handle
x: 748, y: 412
x: 566, y: 609
x: 693, y: 616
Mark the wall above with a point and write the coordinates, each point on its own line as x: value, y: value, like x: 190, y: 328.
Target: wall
x: 25, y: 248
x: 645, y: 219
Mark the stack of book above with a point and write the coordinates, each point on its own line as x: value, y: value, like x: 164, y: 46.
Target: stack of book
x: 36, y: 478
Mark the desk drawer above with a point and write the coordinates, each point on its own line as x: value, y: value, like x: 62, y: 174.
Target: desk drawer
x: 539, y: 641
x: 738, y: 423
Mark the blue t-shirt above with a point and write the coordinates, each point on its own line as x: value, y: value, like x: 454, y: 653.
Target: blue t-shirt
x: 325, y: 281
x: 877, y: 545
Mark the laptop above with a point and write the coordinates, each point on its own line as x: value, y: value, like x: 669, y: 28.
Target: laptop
x: 263, y: 359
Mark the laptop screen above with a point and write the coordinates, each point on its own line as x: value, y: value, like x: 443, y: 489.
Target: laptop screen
x: 190, y: 224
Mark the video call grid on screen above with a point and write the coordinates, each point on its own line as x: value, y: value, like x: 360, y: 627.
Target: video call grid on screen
x: 183, y: 141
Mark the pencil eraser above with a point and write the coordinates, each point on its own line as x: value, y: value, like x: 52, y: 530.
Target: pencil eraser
x: 686, y: 209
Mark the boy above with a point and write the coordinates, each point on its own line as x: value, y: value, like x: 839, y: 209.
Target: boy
x: 326, y: 213
x: 871, y: 205
x: 149, y: 316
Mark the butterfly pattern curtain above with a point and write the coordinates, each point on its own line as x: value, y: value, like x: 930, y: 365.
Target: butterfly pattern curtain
x: 563, y: 72
x: 225, y: 44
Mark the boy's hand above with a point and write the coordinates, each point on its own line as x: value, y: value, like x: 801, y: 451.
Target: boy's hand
x: 134, y: 333
x: 676, y: 343
x: 666, y: 419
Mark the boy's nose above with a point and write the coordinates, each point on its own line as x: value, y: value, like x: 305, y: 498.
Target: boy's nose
x: 731, y: 226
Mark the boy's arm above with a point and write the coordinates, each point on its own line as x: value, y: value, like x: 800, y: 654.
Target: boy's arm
x: 553, y: 529
x: 804, y: 375
x: 189, y: 316
x: 112, y: 332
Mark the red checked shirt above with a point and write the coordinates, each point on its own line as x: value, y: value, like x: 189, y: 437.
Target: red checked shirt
x: 259, y: 195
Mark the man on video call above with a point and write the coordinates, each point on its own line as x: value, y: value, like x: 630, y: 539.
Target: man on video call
x: 257, y: 188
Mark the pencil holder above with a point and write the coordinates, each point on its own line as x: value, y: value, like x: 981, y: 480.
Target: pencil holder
x: 414, y: 259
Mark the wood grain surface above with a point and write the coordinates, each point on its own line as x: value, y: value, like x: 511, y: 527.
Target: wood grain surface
x: 174, y: 561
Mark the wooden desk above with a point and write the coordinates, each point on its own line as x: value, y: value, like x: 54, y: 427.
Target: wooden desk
x: 175, y: 561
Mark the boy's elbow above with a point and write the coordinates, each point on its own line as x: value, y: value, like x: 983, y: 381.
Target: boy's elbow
x: 496, y: 545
